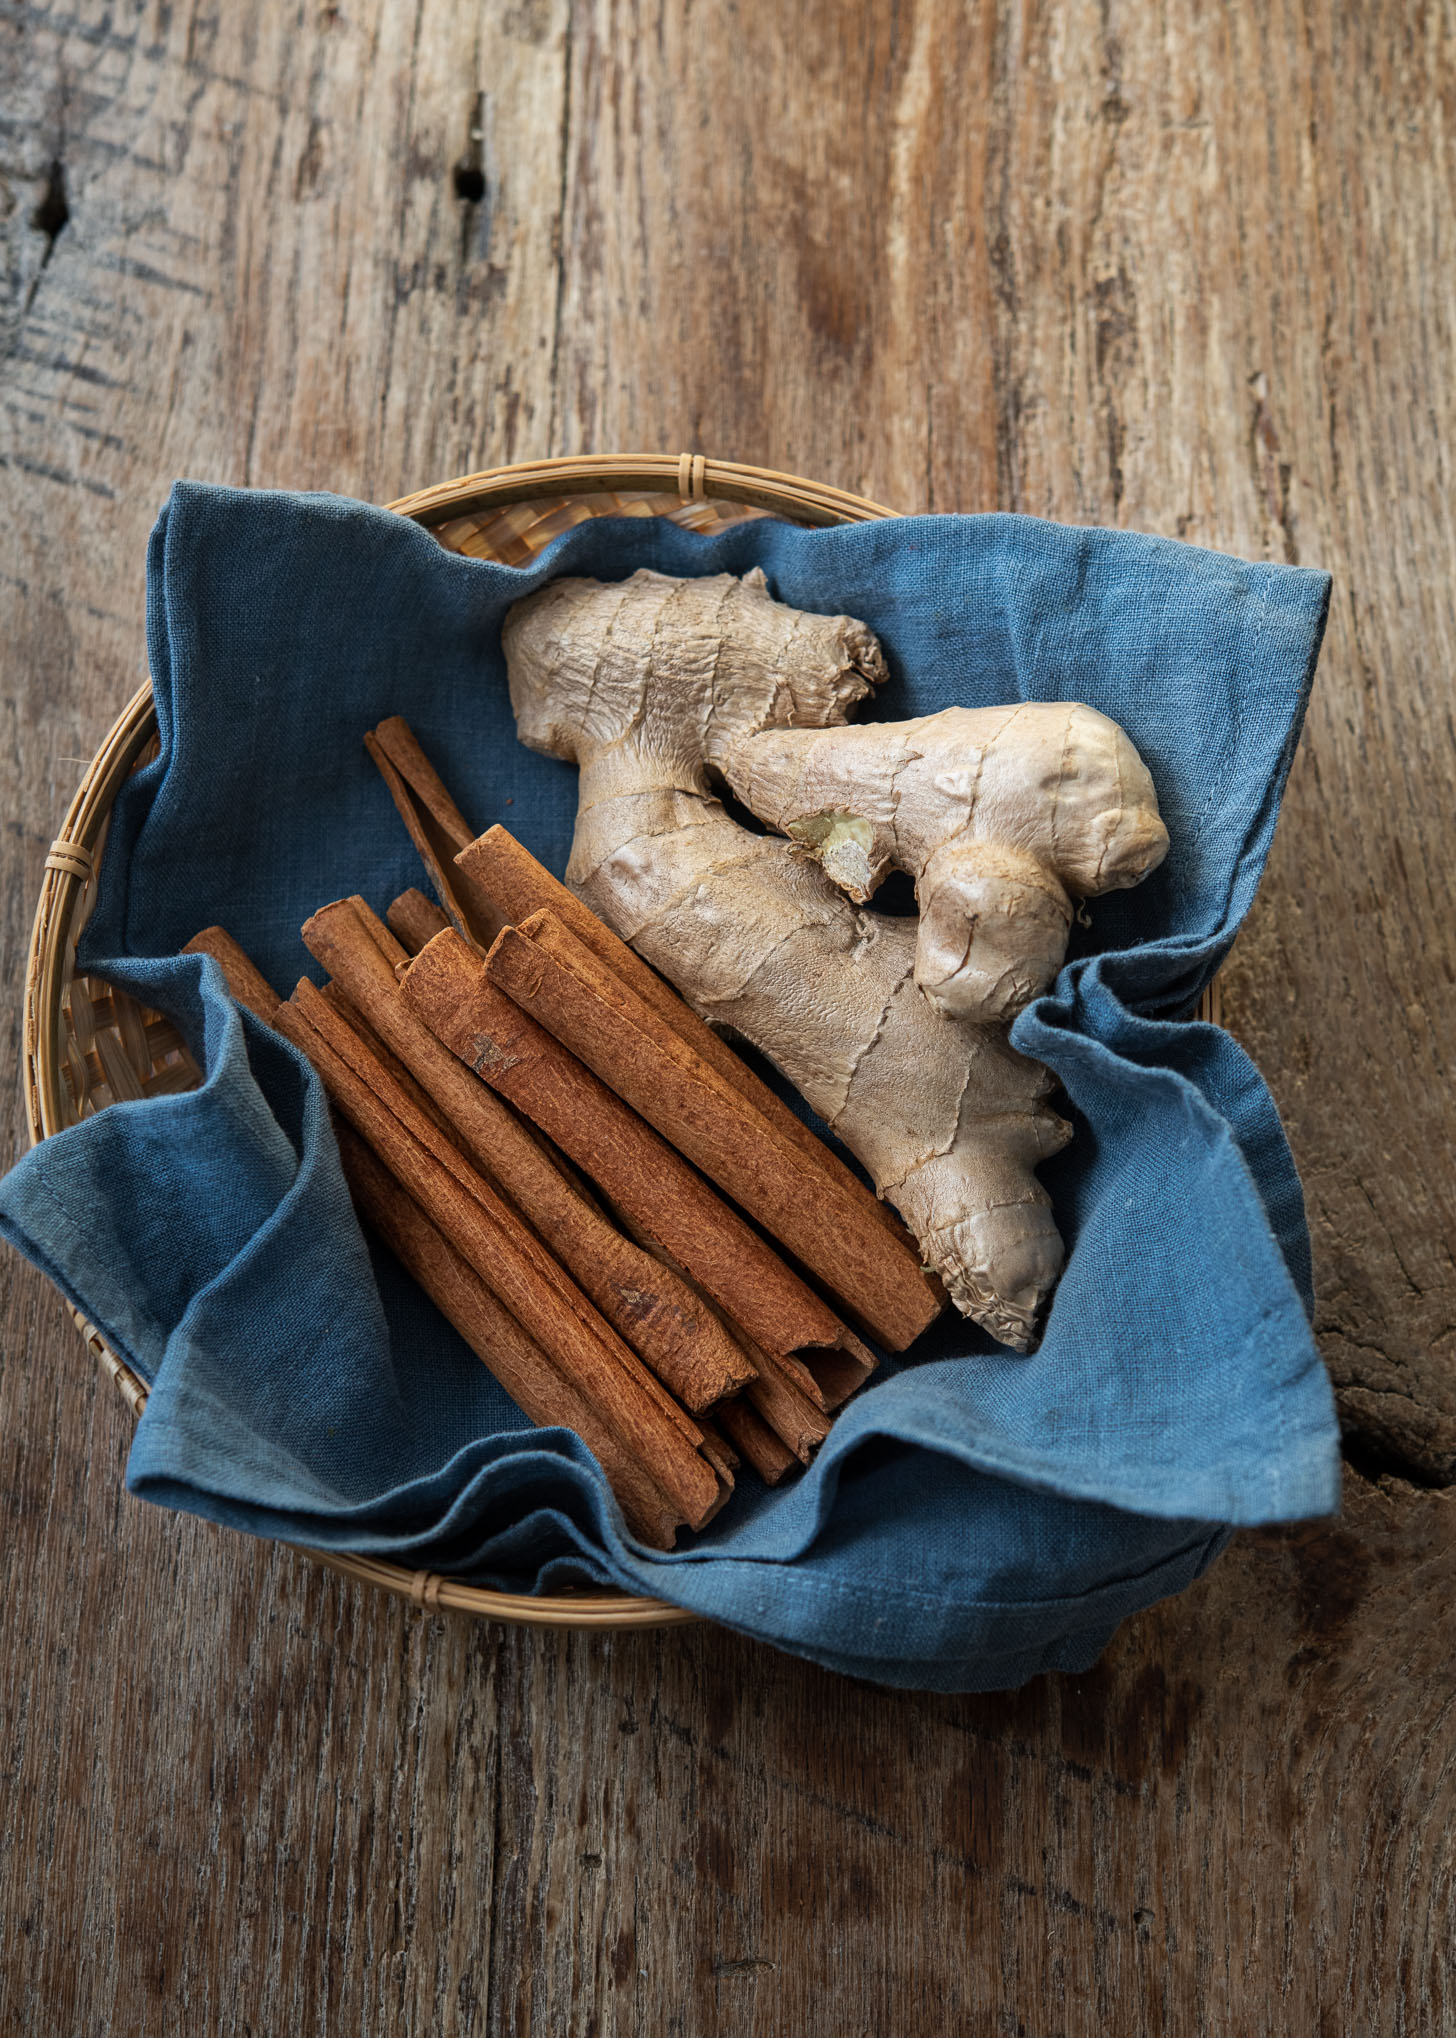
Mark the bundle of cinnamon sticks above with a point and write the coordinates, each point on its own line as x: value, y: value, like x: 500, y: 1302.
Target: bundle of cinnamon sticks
x: 638, y: 1238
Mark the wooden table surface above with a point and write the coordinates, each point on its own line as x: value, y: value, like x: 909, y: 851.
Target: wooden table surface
x: 1152, y: 263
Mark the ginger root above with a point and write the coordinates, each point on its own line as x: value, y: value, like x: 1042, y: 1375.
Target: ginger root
x: 1003, y: 816
x: 894, y: 1030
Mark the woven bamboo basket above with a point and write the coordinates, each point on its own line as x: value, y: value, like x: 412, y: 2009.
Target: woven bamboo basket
x: 87, y: 1045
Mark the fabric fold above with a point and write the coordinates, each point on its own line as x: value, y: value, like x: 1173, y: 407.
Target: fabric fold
x: 976, y: 1517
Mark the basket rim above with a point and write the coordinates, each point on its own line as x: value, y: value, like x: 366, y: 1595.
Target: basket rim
x: 71, y: 864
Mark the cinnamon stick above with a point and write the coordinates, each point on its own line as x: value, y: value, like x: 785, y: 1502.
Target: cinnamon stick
x: 719, y: 1452
x: 399, y: 744
x: 371, y: 1058
x: 647, y: 1304
x: 838, y: 1236
x: 794, y: 1392
x: 518, y: 886
x: 334, y: 998
x: 436, y: 826
x: 768, y: 1454
x: 492, y: 1239
x: 787, y: 1404
x: 447, y: 986
x: 414, y: 920
x: 244, y: 979
x: 542, y: 1393
x: 493, y: 1334
x: 823, y: 1376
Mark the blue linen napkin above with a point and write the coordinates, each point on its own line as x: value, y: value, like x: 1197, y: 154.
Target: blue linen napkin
x: 976, y: 1516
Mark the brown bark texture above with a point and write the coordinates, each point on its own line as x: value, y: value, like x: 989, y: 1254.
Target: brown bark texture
x: 1159, y: 265
x: 836, y: 1234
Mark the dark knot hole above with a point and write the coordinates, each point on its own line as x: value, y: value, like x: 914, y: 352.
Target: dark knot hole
x: 53, y: 213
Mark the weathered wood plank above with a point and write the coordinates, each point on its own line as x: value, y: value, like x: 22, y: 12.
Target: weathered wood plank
x: 1127, y: 266
x: 1146, y: 265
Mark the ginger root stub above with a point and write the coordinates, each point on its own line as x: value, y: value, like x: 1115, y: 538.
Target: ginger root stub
x: 893, y: 1029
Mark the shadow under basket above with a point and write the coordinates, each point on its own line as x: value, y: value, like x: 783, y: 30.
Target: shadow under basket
x: 87, y: 1045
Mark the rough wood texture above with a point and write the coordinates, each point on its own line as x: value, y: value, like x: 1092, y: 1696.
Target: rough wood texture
x: 1160, y: 265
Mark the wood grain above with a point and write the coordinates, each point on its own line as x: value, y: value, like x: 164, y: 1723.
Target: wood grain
x: 1165, y: 266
